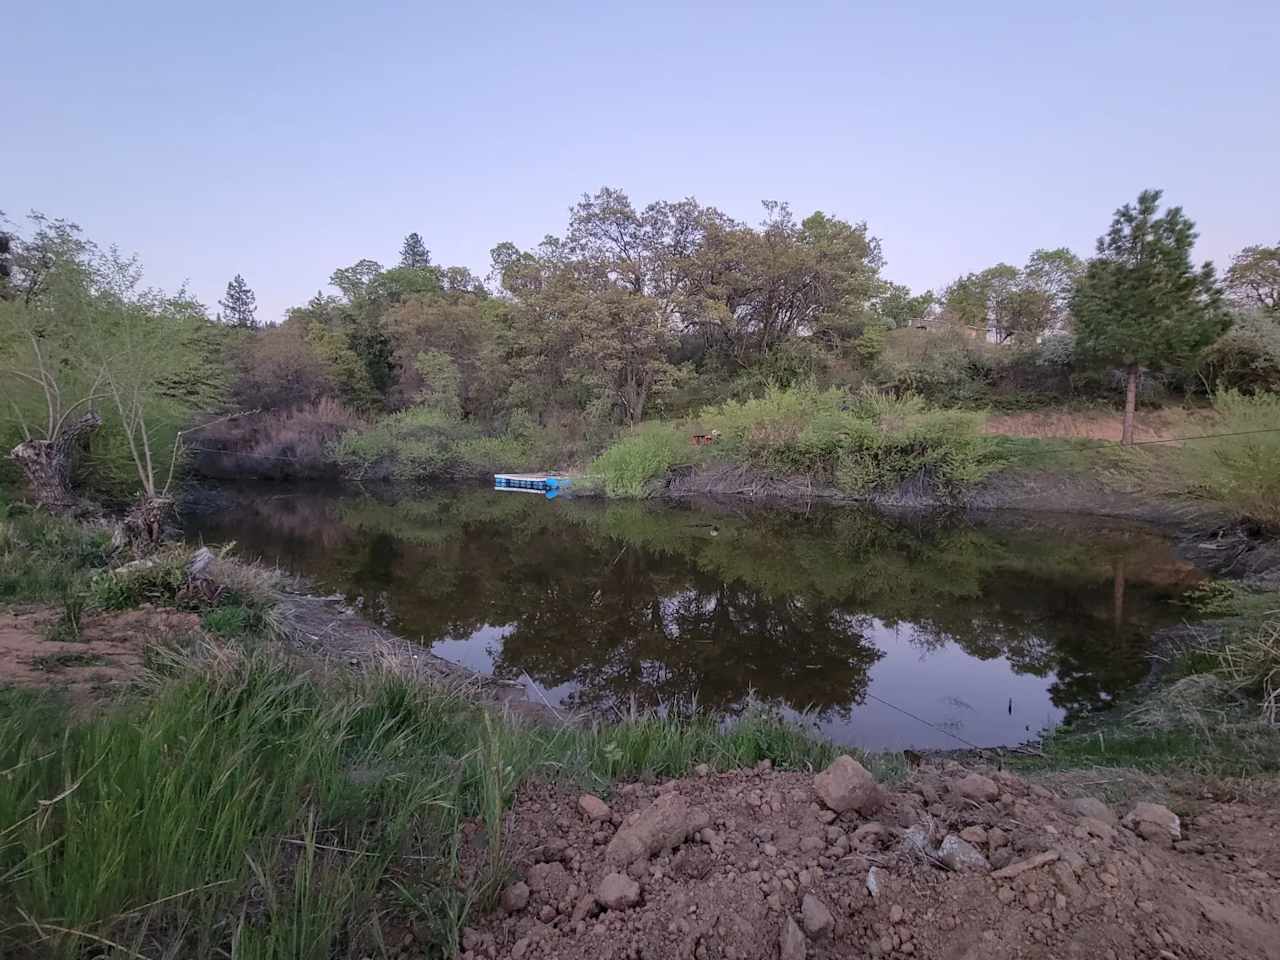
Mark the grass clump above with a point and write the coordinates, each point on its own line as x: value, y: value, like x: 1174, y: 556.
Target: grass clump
x: 42, y: 557
x: 243, y: 809
x: 634, y: 465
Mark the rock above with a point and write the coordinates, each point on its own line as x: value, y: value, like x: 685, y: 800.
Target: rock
x: 996, y: 838
x: 520, y: 949
x: 818, y: 921
x: 593, y: 807
x: 1092, y: 807
x: 868, y: 835
x: 1031, y: 863
x: 1005, y: 895
x: 977, y: 787
x: 975, y: 835
x: 791, y: 945
x: 585, y: 906
x: 550, y: 878
x: 846, y: 785
x: 1097, y: 828
x: 663, y: 824
x: 201, y: 560
x: 916, y: 840
x: 895, y: 914
x: 962, y: 856
x: 877, y: 879
x: 1155, y: 822
x: 515, y: 897
x: 702, y: 770
x: 618, y: 891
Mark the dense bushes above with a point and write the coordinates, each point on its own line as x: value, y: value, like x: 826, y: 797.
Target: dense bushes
x: 1246, y: 357
x: 862, y: 443
x: 424, y: 442
x: 286, y: 444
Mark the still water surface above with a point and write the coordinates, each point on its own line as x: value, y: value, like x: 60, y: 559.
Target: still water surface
x: 884, y: 632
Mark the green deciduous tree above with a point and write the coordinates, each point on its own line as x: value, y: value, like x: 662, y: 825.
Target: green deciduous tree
x: 1253, y: 279
x: 1141, y: 302
x: 240, y: 306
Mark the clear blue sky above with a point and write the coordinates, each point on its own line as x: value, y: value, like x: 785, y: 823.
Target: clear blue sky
x: 283, y: 139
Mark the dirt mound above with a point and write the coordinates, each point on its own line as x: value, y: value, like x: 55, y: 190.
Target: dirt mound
x: 955, y: 864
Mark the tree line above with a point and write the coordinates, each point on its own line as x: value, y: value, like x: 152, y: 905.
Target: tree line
x: 630, y: 313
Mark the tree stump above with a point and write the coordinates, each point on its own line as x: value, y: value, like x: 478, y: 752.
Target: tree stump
x: 47, y: 464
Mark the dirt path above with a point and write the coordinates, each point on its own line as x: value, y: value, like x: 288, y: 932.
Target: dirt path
x: 753, y: 865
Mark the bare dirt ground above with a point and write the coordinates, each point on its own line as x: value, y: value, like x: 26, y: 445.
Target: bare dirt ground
x: 107, y: 653
x: 952, y: 865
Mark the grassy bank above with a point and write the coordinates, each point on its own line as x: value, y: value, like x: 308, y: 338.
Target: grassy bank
x: 1212, y: 714
x: 233, y: 804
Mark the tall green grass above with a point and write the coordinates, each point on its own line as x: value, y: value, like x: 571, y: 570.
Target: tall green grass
x: 635, y: 464
x: 244, y: 810
x: 43, y: 557
x: 1240, y: 473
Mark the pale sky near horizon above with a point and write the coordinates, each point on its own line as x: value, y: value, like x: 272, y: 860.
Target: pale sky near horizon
x: 281, y: 140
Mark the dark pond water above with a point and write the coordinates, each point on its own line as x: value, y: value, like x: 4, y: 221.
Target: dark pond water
x: 884, y: 632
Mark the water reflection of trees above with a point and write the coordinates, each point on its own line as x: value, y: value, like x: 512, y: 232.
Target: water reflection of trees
x: 667, y: 605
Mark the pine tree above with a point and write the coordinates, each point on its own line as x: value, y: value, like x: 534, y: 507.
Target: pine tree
x: 240, y: 307
x: 414, y: 253
x: 1141, y: 302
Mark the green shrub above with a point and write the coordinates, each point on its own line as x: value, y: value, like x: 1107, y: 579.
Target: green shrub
x: 1246, y: 357
x: 633, y: 465
x: 157, y: 580
x: 865, y: 442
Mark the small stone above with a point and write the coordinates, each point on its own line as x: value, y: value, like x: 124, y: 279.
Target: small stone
x: 895, y: 914
x: 593, y: 807
x: 515, y: 897
x: 962, y: 856
x: 1092, y: 807
x: 975, y: 835
x: 791, y: 945
x: 547, y: 913
x: 847, y: 785
x: 585, y: 906
x: 818, y: 921
x: 520, y: 949
x: 618, y: 891
x: 1005, y: 895
x: 996, y: 838
x: 702, y: 770
x: 977, y: 787
x: 877, y: 878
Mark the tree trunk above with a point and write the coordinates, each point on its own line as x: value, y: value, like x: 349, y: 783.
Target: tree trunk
x: 47, y: 464
x: 1130, y: 403
x: 146, y: 522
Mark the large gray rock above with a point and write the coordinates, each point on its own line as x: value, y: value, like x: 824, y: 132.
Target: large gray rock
x: 662, y: 825
x: 847, y: 785
x: 818, y: 921
x: 617, y: 891
x: 962, y: 856
x: 791, y: 945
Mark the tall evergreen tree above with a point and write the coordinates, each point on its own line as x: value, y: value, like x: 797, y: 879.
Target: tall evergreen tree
x: 240, y: 307
x: 414, y: 253
x: 1141, y: 302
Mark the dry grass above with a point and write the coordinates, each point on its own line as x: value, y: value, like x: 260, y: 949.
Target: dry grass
x: 1095, y: 424
x: 1251, y: 661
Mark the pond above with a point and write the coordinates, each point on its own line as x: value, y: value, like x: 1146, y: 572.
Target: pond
x: 881, y: 631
